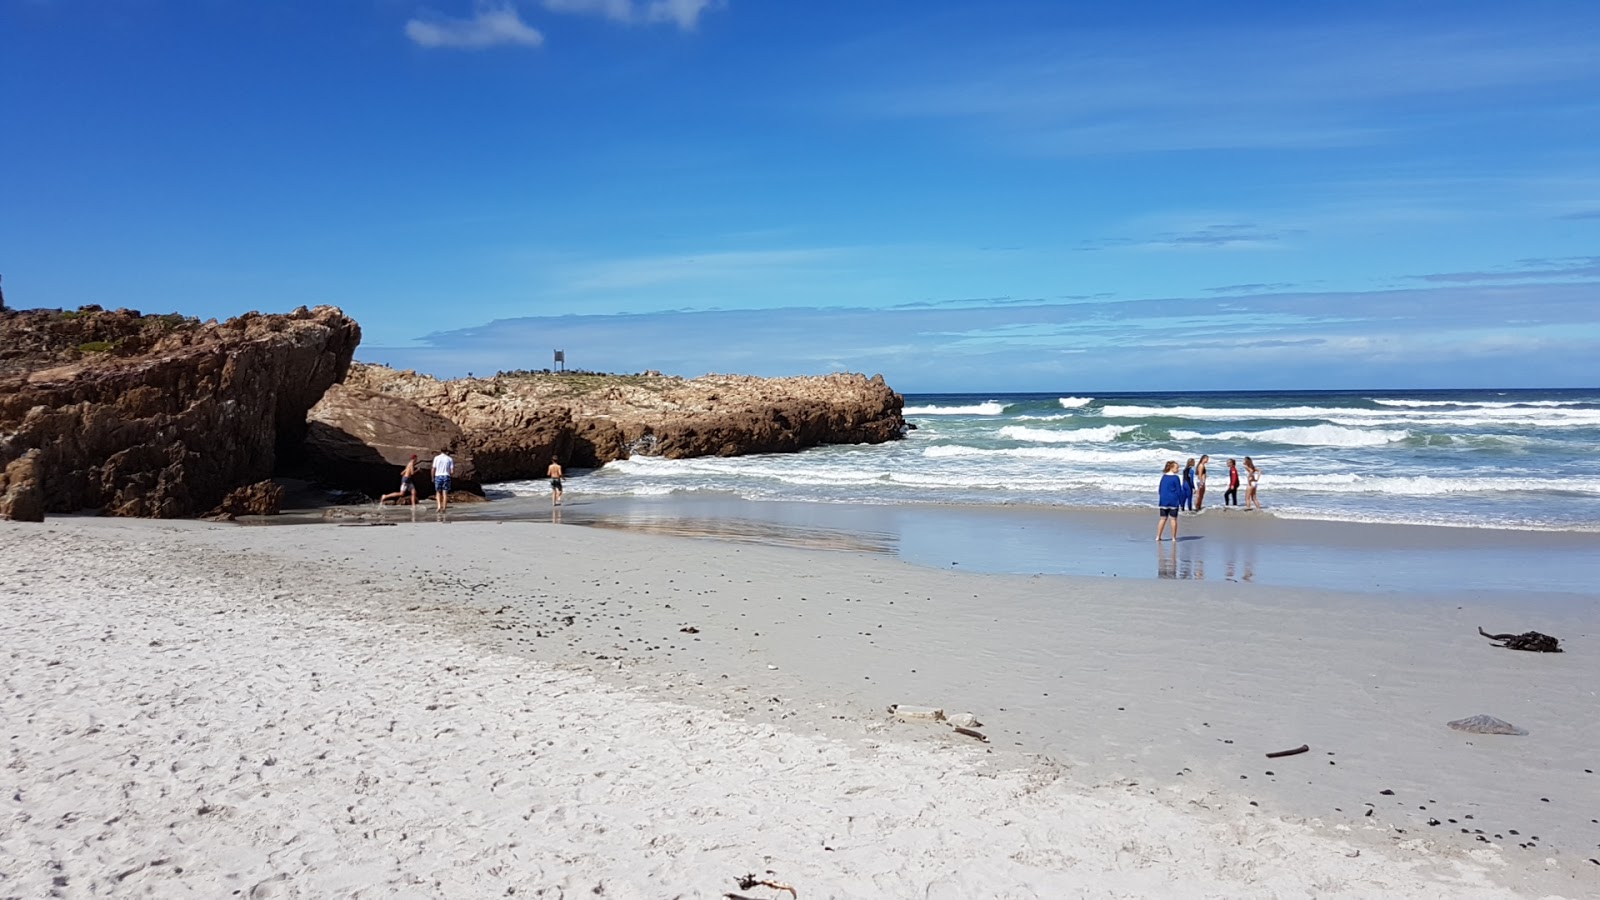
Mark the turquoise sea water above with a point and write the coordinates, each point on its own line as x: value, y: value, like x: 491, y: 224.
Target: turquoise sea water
x: 1514, y: 459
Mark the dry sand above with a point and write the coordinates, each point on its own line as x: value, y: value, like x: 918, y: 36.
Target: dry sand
x: 479, y: 710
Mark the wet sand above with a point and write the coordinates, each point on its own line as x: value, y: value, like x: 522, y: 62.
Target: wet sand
x: 1220, y: 544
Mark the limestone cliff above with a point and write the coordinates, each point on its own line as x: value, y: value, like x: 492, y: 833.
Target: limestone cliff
x: 157, y: 416
x: 510, y: 426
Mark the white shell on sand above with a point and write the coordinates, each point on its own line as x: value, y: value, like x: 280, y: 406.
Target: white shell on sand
x: 918, y: 712
x: 1486, y: 725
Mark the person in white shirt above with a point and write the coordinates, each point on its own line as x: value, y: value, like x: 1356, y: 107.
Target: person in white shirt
x: 443, y: 468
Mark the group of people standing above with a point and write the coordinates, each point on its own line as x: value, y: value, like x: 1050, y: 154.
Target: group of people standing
x: 444, y: 469
x: 1187, y: 491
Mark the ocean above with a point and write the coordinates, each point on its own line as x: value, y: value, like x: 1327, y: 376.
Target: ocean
x: 1521, y: 459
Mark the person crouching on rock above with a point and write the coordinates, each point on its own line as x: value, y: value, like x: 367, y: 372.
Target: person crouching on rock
x: 1170, y: 499
x: 443, y: 468
x: 407, y: 487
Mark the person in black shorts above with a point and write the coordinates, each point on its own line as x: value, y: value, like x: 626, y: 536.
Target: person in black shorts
x: 1170, y: 499
x: 555, y: 482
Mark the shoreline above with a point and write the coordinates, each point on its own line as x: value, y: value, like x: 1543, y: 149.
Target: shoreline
x: 1163, y: 690
x: 1542, y: 568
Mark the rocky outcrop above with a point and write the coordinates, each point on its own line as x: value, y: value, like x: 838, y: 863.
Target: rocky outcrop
x: 160, y: 415
x: 511, y: 426
x: 264, y: 498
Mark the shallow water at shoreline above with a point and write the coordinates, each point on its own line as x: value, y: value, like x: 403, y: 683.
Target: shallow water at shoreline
x: 1216, y: 545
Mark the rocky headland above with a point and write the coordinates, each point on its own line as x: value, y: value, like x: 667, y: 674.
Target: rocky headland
x: 511, y: 425
x: 158, y: 416
x: 166, y: 416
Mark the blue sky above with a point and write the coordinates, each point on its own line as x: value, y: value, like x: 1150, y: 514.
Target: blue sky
x: 1007, y: 195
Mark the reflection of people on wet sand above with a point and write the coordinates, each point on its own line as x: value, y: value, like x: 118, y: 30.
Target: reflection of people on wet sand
x: 407, y: 487
x: 1167, y: 563
x: 1250, y: 501
x: 555, y: 482
x: 443, y: 468
x: 1180, y: 561
x: 1169, y: 499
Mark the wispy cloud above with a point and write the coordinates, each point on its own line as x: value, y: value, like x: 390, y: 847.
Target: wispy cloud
x: 1069, y: 93
x: 1531, y: 270
x: 1583, y: 214
x: 1218, y: 236
x: 1253, y: 288
x: 684, y: 13
x: 1458, y: 335
x: 491, y: 26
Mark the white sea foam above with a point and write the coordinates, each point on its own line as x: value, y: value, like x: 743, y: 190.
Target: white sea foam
x: 1075, y: 436
x: 1075, y: 402
x: 1543, y: 417
x: 1304, y: 436
x: 1134, y: 457
x: 1485, y: 404
x: 1422, y: 485
x: 1510, y: 418
x: 990, y: 408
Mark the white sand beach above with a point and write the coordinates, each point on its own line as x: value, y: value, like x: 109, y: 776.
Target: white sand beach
x: 489, y: 709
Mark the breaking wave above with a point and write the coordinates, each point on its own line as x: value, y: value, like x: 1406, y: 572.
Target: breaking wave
x: 1303, y: 436
x: 1078, y: 436
x: 991, y: 408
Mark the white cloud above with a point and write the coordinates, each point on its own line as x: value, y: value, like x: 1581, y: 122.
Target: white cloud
x: 490, y: 27
x: 684, y: 13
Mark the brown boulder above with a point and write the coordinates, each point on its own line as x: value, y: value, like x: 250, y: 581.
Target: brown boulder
x: 361, y: 440
x: 21, y: 498
x: 160, y: 415
x: 264, y: 498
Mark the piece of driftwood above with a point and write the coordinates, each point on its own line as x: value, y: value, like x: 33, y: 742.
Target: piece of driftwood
x: 1303, y: 748
x: 750, y: 881
x: 1528, y: 640
x: 971, y: 734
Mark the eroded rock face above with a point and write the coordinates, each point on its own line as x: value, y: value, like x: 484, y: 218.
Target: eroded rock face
x: 511, y: 426
x: 159, y: 415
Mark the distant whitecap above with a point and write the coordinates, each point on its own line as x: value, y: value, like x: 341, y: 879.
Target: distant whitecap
x: 991, y: 408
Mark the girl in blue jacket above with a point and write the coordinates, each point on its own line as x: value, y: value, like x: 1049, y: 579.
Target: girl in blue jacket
x: 1170, y: 499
